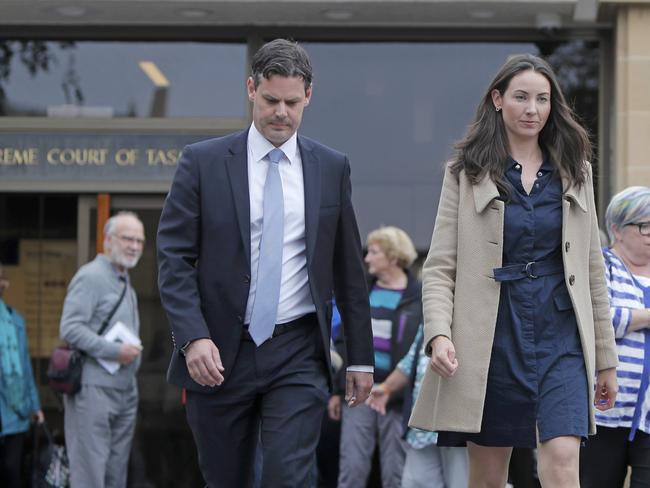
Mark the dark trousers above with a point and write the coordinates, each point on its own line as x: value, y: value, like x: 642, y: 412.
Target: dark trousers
x: 605, y: 457
x: 327, y: 453
x: 280, y: 388
x: 11, y: 456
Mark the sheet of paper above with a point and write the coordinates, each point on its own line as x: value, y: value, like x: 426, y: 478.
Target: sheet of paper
x: 119, y: 332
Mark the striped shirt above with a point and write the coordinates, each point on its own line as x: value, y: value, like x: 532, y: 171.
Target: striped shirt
x: 383, y: 303
x: 633, y: 400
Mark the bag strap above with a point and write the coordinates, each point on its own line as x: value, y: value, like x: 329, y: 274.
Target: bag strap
x: 110, y: 315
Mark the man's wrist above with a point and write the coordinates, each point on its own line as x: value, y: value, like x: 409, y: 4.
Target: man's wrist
x: 183, y: 349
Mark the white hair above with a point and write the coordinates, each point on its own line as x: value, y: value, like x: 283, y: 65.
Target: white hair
x: 111, y: 223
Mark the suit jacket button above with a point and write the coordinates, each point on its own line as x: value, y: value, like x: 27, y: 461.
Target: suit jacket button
x: 567, y: 246
x: 572, y: 280
x: 247, y: 279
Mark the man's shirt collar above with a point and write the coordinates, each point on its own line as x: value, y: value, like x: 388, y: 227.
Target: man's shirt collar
x: 259, y: 146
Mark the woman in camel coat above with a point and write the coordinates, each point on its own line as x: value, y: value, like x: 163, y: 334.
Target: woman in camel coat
x: 514, y: 345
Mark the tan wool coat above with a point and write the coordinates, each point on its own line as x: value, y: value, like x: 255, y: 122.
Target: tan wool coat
x: 460, y: 296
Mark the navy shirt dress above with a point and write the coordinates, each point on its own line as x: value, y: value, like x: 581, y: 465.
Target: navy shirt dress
x: 537, y: 382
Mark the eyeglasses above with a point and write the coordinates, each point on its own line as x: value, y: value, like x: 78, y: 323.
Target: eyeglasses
x: 644, y: 227
x: 131, y: 240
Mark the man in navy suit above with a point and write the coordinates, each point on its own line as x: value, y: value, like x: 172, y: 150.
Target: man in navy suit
x: 256, y: 235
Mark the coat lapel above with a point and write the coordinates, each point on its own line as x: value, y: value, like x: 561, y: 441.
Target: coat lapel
x: 311, y: 178
x: 484, y: 192
x: 237, y: 167
x: 574, y: 193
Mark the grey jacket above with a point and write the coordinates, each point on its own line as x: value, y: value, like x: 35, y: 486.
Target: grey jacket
x: 92, y: 294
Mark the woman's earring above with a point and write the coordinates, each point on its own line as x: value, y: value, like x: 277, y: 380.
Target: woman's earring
x: 498, y: 109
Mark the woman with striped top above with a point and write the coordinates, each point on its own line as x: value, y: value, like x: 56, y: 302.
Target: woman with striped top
x: 623, y: 437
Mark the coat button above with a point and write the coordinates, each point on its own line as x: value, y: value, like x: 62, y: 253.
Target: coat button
x: 567, y: 246
x: 247, y: 279
x: 572, y: 280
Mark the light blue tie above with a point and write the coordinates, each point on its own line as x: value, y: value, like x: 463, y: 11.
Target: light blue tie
x: 269, y: 270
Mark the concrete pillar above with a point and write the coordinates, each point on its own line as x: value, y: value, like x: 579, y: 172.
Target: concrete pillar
x: 632, y: 139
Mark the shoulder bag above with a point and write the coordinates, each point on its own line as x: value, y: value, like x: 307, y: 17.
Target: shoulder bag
x: 66, y: 362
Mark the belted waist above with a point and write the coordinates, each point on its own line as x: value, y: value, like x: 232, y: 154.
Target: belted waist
x: 533, y: 269
x: 309, y: 319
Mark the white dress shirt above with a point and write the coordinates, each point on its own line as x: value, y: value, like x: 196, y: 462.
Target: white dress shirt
x: 295, y: 296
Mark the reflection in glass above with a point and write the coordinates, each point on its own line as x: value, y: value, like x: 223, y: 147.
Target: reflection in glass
x: 397, y: 108
x: 106, y: 79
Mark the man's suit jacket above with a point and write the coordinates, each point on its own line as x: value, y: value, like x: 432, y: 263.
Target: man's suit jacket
x: 204, y: 250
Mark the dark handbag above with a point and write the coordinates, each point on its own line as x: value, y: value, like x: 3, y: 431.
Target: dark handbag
x: 64, y: 370
x: 66, y: 362
x: 49, y: 460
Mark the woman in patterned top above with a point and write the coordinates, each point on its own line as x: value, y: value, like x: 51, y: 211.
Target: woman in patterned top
x: 19, y: 402
x: 396, y: 312
x: 623, y: 437
x: 427, y: 465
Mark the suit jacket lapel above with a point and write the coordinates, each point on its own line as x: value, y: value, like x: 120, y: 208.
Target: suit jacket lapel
x: 311, y: 178
x: 237, y: 167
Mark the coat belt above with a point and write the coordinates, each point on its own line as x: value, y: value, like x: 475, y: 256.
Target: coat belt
x: 532, y: 269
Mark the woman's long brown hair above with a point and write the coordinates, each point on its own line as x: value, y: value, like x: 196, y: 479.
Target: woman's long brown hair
x: 484, y: 149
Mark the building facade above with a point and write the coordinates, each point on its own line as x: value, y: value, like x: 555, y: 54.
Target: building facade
x: 97, y: 98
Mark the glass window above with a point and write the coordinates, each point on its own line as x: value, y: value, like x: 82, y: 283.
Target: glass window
x: 397, y: 108
x: 122, y: 79
x: 38, y: 249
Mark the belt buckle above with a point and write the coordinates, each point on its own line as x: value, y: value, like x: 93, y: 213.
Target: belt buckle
x: 528, y: 268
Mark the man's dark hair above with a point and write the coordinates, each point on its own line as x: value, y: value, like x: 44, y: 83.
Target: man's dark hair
x: 281, y: 57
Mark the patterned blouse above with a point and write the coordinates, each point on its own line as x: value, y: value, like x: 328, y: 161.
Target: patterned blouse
x: 417, y: 438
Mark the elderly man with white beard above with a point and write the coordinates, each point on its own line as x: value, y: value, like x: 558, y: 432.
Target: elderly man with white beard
x: 100, y: 419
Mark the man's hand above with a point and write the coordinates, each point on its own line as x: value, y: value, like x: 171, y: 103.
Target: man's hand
x: 334, y: 407
x: 128, y: 353
x: 443, y: 357
x: 204, y: 362
x: 357, y: 387
x: 606, y: 389
x: 378, y: 398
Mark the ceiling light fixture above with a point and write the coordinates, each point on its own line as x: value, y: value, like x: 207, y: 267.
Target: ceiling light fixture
x: 70, y: 11
x: 154, y: 74
x: 338, y: 14
x: 194, y: 13
x: 482, y: 14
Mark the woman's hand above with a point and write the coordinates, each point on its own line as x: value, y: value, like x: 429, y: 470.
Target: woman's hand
x: 378, y: 398
x: 443, y: 357
x: 606, y: 389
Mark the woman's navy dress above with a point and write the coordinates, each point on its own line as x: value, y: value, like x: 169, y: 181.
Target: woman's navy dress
x: 537, y: 377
